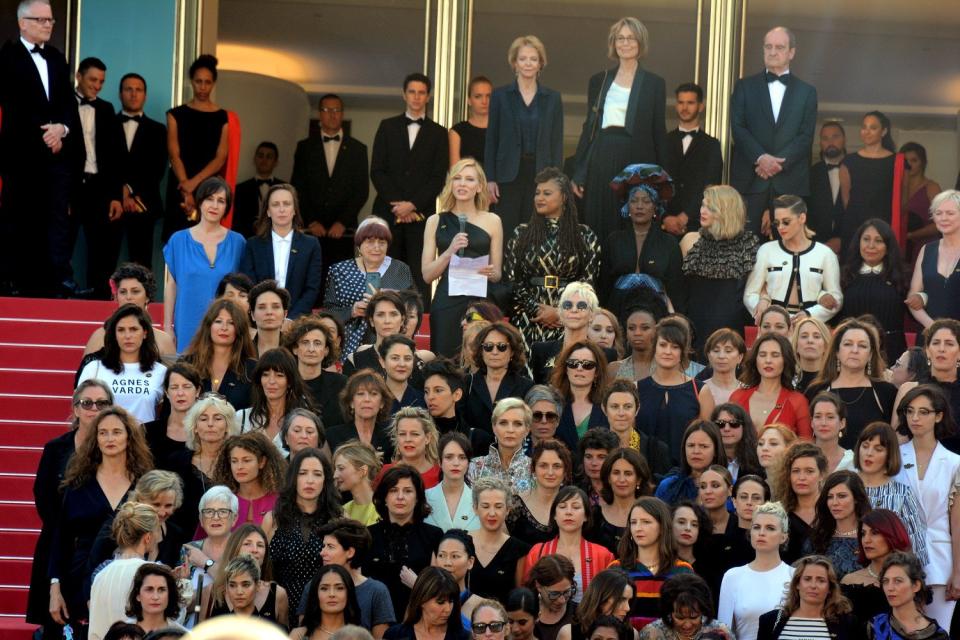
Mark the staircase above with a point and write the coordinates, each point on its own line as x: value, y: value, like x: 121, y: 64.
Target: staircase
x: 41, y: 343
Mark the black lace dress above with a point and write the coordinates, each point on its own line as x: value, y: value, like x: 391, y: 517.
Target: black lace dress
x: 715, y: 274
x: 523, y: 525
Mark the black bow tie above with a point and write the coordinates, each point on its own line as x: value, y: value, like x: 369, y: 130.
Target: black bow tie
x: 84, y: 101
x: 772, y: 77
x: 263, y: 181
x: 689, y: 134
x: 833, y: 167
x: 125, y: 118
x: 332, y: 138
x: 411, y: 121
x: 41, y: 50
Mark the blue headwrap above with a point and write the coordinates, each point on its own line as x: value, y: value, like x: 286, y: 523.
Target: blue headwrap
x: 650, y: 178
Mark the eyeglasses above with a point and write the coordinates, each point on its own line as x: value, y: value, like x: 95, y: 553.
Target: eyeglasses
x: 566, y: 593
x: 480, y: 628
x: 586, y: 365
x: 623, y: 39
x: 49, y: 21
x: 500, y: 346
x: 89, y: 404
x: 330, y: 110
x: 545, y: 416
x: 472, y: 316
x: 566, y: 305
x: 923, y: 412
x: 782, y: 222
x: 722, y: 424
x: 218, y: 514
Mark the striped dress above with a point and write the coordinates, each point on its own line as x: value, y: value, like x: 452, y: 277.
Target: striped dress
x: 645, y: 606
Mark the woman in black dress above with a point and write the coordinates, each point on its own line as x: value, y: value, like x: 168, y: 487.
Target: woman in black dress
x: 625, y: 124
x: 500, y: 556
x: 90, y: 397
x: 197, y: 143
x: 866, y: 177
x: 467, y: 138
x: 872, y: 282
x: 552, y: 468
x: 313, y: 345
x: 463, y: 228
x: 716, y: 262
x: 935, y: 286
x: 167, y: 435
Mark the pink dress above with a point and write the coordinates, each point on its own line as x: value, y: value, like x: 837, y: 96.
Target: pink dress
x: 261, y: 507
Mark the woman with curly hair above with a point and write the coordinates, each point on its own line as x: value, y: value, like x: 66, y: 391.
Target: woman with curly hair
x: 277, y: 389
x: 814, y: 607
x: 686, y: 611
x: 500, y: 358
x: 313, y: 344
x: 98, y: 478
x: 306, y: 502
x: 253, y: 471
x: 545, y: 254
x: 552, y: 468
x: 798, y: 481
x: 223, y: 352
x: 739, y: 438
x: 905, y: 588
x: 840, y: 508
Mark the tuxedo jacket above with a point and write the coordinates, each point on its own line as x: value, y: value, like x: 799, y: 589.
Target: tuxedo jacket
x: 400, y: 173
x: 823, y: 212
x: 303, y: 269
x: 476, y: 407
x: 144, y: 164
x: 692, y: 172
x: 645, y: 121
x: 755, y: 133
x: 109, y: 143
x: 26, y: 108
x: 328, y: 199
x: 502, y: 146
x: 246, y: 206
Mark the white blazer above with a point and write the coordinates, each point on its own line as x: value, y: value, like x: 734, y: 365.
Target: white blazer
x: 817, y: 269
x: 439, y: 516
x: 933, y: 492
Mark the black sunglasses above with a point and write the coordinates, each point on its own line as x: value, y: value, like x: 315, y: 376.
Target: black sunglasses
x: 480, y: 628
x: 566, y: 305
x: 733, y: 424
x: 586, y: 365
x: 545, y: 416
x: 500, y: 346
x: 89, y: 404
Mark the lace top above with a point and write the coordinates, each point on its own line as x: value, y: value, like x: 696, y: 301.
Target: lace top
x: 721, y: 259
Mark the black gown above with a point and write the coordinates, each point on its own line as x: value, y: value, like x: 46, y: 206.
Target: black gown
x: 873, y: 294
x: 472, y: 140
x: 871, y: 192
x: 659, y: 257
x: 864, y: 405
x: 524, y: 526
x: 498, y: 578
x: 447, y: 310
x: 325, y: 392
x: 396, y: 546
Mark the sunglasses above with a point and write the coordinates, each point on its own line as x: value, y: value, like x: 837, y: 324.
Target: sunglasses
x: 480, y: 628
x: 785, y: 222
x: 566, y: 593
x: 566, y: 305
x: 733, y: 424
x: 89, y: 404
x: 500, y: 346
x: 545, y: 416
x: 473, y: 316
x: 586, y: 365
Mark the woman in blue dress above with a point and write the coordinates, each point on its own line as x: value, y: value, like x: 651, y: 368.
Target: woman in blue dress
x: 463, y: 227
x: 197, y: 259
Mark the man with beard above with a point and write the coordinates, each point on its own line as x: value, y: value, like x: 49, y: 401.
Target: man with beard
x: 825, y: 207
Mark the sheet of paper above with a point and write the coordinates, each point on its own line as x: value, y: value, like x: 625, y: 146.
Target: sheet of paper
x: 464, y: 279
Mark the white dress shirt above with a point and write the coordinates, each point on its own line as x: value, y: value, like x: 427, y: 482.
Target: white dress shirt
x: 685, y: 139
x: 834, y: 176
x: 412, y: 129
x: 130, y: 128
x: 777, y: 89
x: 41, y: 63
x: 88, y: 127
x: 281, y: 255
x: 615, y: 106
x: 332, y: 147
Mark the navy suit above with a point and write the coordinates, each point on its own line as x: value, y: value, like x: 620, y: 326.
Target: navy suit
x: 303, y: 269
x: 142, y: 167
x: 755, y: 132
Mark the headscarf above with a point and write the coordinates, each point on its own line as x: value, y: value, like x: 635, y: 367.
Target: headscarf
x: 649, y: 178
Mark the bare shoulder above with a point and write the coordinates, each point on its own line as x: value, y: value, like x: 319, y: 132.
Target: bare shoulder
x: 164, y: 341
x: 95, y: 341
x: 688, y: 240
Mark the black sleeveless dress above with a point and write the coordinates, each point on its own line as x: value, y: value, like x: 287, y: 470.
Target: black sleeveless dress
x: 871, y: 192
x: 472, y: 140
x: 447, y: 310
x: 268, y: 611
x: 943, y: 294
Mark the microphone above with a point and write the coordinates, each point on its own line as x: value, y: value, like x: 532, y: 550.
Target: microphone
x: 463, y: 229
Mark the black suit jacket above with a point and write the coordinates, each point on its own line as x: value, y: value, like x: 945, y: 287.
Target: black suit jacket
x: 501, y: 152
x: 26, y: 108
x: 143, y: 165
x: 246, y: 206
x: 823, y: 213
x: 544, y: 354
x: 692, y: 172
x: 567, y: 428
x: 659, y: 257
x: 328, y: 199
x: 755, y: 133
x: 645, y: 121
x: 400, y: 173
x: 109, y: 143
x: 477, y: 405
x: 303, y: 269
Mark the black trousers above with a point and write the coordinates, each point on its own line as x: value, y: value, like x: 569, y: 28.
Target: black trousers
x: 138, y: 229
x: 91, y: 210
x: 407, y: 246
x: 334, y: 251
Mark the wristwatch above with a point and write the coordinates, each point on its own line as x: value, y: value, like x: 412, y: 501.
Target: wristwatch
x: 54, y: 581
x: 209, y: 563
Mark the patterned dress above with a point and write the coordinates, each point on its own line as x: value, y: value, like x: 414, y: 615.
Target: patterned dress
x: 295, y: 559
x: 545, y: 260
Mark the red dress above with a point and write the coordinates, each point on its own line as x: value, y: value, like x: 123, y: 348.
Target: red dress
x: 430, y: 477
x: 791, y: 409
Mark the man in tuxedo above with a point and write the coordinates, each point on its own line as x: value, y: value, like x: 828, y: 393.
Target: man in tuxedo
x: 693, y: 160
x: 408, y: 169
x: 250, y: 193
x: 333, y: 182
x: 773, y: 118
x: 143, y: 161
x: 824, y: 206
x: 39, y: 113
x: 96, y: 201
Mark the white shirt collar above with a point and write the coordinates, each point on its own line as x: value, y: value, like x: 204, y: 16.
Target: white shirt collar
x: 866, y: 269
x: 413, y: 117
x: 131, y: 113
x: 779, y: 74
x: 278, y: 238
x: 30, y: 45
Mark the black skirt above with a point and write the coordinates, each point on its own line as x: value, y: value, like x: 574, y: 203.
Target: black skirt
x: 609, y: 155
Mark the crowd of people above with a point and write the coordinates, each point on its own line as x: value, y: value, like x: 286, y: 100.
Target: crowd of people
x: 589, y: 450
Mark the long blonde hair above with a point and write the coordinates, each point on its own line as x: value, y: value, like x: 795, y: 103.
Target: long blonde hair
x: 481, y: 200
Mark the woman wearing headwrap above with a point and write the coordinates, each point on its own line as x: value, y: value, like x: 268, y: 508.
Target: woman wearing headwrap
x: 643, y: 249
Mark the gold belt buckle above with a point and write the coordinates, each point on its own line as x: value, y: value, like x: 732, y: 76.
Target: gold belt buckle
x: 551, y: 282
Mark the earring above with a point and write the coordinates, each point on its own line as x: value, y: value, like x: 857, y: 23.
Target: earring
x: 869, y: 369
x: 838, y: 365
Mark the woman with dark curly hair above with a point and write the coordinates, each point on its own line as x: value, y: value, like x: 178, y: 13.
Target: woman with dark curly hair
x: 402, y: 541
x: 840, y: 508
x: 686, y: 611
x: 814, y: 607
x: 551, y: 467
x: 253, y: 471
x: 98, y: 478
x: 306, y: 502
x: 501, y: 360
x: 906, y: 592
x: 545, y: 254
x: 315, y: 348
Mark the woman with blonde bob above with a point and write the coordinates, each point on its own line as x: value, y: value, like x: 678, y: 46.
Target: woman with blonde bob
x: 415, y: 437
x: 625, y: 124
x: 716, y: 262
x: 355, y: 466
x: 463, y: 227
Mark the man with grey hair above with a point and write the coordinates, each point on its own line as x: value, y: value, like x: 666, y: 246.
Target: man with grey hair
x: 39, y: 112
x: 773, y: 118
